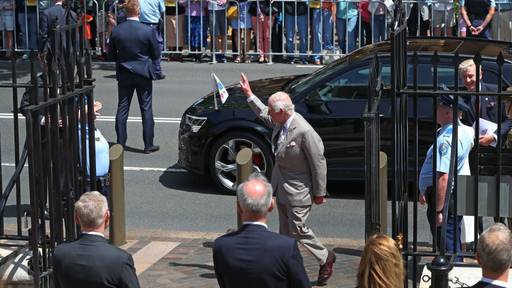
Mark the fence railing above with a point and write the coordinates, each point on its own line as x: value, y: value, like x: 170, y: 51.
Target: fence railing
x: 290, y: 28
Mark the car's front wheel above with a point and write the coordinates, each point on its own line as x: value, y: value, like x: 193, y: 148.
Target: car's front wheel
x: 222, y: 160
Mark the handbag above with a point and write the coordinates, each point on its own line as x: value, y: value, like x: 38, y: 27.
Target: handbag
x: 232, y: 12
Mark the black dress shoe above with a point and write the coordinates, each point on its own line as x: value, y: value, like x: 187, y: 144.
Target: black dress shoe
x: 151, y: 149
x: 160, y: 77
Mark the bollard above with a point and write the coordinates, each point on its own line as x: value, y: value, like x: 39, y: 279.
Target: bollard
x: 439, y: 268
x: 383, y: 191
x: 243, y: 170
x: 117, y: 228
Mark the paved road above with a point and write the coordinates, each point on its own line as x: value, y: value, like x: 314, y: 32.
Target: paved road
x: 162, y: 196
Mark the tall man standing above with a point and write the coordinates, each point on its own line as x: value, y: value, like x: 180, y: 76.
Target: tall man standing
x: 151, y: 12
x: 299, y: 174
x: 435, y: 210
x: 134, y: 47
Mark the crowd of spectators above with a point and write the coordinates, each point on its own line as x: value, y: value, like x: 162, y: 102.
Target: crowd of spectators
x: 295, y: 31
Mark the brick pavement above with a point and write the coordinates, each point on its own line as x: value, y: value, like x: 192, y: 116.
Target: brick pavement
x: 190, y: 264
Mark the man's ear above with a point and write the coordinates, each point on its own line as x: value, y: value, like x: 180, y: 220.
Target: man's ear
x: 272, y: 205
x: 239, y: 208
x: 107, y: 218
x: 77, y: 220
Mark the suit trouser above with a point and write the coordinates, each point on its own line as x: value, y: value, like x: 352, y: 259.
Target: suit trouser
x: 292, y: 222
x: 126, y: 85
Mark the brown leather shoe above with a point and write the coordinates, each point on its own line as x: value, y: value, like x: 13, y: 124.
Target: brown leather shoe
x: 326, y: 270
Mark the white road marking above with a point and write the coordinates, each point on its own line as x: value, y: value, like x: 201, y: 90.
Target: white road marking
x: 309, y: 66
x: 131, y: 168
x: 151, y: 253
x: 108, y: 118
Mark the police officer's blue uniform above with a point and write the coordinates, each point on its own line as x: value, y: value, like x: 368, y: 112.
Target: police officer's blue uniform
x: 444, y: 146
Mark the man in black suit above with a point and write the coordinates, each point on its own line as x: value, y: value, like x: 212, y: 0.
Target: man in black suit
x: 254, y: 256
x: 90, y: 261
x: 494, y: 254
x: 134, y: 47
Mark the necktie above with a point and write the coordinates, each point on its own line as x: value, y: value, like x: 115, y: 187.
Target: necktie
x: 282, y: 135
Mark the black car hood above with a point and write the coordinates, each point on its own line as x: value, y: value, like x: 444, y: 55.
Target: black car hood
x: 262, y: 88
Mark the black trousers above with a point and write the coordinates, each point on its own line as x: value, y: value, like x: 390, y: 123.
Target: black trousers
x: 127, y: 83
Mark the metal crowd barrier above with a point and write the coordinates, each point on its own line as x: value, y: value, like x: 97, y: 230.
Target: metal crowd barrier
x: 183, y: 19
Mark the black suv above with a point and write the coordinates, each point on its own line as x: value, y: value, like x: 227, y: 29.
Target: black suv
x: 332, y: 99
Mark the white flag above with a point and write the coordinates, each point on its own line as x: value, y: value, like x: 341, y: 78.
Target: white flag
x: 220, y: 88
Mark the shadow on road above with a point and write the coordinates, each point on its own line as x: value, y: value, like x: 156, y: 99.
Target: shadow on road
x: 200, y: 266
x: 176, y: 178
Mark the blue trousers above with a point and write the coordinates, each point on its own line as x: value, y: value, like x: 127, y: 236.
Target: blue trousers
x: 28, y: 29
x: 347, y: 30
x: 127, y: 83
x: 379, y: 28
x: 302, y: 25
x: 454, y: 222
x: 322, y: 31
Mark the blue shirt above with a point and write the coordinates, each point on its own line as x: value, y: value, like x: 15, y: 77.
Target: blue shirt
x: 346, y: 10
x: 150, y: 11
x: 101, y: 151
x: 444, y: 148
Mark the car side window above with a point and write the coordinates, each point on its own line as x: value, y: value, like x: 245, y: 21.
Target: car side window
x: 352, y: 84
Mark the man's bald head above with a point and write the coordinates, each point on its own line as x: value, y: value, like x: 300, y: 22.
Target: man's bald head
x: 255, y: 195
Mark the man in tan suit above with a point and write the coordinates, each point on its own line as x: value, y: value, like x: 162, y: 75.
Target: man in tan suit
x: 299, y: 174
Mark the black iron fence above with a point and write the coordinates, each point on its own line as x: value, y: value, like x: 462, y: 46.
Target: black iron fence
x: 483, y: 190
x: 54, y: 104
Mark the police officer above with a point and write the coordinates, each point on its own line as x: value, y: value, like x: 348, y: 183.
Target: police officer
x: 444, y: 145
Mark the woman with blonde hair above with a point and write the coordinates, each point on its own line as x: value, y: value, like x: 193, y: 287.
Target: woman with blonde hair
x: 381, y: 264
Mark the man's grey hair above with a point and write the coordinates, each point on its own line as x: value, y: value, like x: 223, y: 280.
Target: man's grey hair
x: 90, y: 209
x: 258, y: 205
x: 281, y: 100
x: 495, y: 248
x: 464, y: 65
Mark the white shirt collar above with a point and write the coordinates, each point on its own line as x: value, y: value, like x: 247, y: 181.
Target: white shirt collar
x: 495, y: 282
x: 256, y: 223
x: 58, y: 3
x: 288, y: 122
x: 133, y: 18
x: 94, y: 233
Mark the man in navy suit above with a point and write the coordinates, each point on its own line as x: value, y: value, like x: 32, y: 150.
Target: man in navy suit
x: 254, y: 256
x: 494, y: 254
x: 90, y: 261
x: 134, y: 47
x: 488, y: 104
x: 49, y: 19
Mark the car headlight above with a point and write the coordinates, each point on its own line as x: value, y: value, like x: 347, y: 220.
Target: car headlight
x: 194, y: 122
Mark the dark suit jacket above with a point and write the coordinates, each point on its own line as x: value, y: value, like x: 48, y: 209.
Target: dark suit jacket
x: 92, y: 262
x: 133, y: 46
x: 489, y: 109
x: 256, y: 257
x: 482, y: 284
x: 55, y: 15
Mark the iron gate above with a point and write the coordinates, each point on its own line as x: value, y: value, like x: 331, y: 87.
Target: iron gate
x: 55, y: 104
x: 490, y: 168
